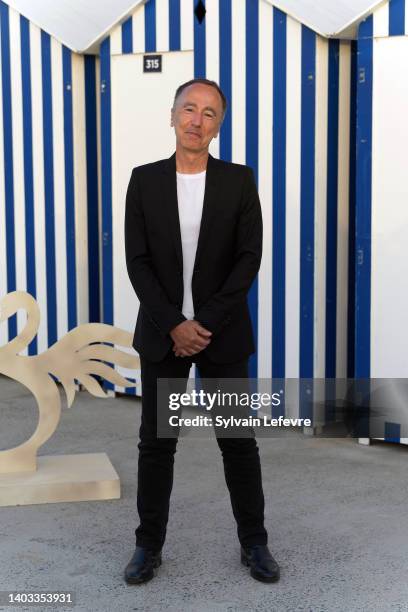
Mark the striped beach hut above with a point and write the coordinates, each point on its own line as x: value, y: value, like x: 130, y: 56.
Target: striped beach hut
x: 86, y: 95
x: 49, y: 232
x: 289, y: 72
x: 382, y: 215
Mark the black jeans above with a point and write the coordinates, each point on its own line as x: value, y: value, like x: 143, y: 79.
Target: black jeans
x: 242, y: 466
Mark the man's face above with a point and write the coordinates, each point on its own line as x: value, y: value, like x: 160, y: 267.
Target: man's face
x: 196, y: 117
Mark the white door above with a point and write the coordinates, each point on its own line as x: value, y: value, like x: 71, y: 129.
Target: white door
x: 141, y: 133
x: 389, y: 266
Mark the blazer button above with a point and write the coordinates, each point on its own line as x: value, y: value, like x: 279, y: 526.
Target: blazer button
x: 196, y: 268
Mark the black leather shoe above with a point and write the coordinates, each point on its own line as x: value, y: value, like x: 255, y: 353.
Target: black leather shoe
x: 263, y: 565
x: 140, y: 567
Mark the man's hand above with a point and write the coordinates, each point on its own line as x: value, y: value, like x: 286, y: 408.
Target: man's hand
x: 189, y: 338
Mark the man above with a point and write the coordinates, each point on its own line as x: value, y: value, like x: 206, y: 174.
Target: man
x: 193, y: 237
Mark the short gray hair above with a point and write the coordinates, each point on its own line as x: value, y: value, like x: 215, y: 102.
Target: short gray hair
x: 205, y: 82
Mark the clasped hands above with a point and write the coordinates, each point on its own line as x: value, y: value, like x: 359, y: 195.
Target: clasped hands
x: 189, y: 338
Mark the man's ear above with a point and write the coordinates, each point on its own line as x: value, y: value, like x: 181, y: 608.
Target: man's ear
x: 171, y: 117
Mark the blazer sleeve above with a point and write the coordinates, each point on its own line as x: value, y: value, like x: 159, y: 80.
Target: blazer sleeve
x: 248, y: 253
x: 162, y: 313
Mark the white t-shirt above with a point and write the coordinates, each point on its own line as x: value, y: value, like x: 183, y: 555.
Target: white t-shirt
x: 190, y: 196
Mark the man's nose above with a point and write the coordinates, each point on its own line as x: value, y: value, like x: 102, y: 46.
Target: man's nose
x: 196, y: 119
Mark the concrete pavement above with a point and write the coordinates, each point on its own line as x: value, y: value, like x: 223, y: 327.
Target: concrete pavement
x: 336, y: 513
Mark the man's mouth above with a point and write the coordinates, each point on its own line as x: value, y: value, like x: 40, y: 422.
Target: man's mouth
x: 193, y: 134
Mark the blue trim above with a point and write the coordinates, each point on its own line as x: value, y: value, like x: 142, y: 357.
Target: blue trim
x: 279, y: 195
x: 174, y: 25
x: 251, y: 131
x: 225, y: 135
x: 106, y: 155
x: 69, y: 188
x: 352, y: 216
x: 92, y: 188
x: 365, y: 29
x: 307, y: 217
x: 28, y: 165
x: 307, y: 212
x: 199, y: 47
x: 363, y: 199
x: 150, y: 26
x: 127, y: 36
x: 396, y: 17
x: 8, y: 160
x: 392, y: 432
x: 332, y: 208
x: 49, y: 187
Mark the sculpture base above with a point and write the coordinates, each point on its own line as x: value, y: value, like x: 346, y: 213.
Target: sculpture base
x: 62, y: 478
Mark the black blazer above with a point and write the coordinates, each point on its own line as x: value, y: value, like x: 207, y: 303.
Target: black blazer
x: 228, y: 257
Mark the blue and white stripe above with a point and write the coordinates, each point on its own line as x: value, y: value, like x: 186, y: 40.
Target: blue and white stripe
x: 286, y: 76
x: 157, y: 26
x: 390, y: 19
x: 292, y: 118
x: 43, y: 180
x: 381, y: 195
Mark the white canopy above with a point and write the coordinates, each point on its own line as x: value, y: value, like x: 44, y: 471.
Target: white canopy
x: 82, y: 24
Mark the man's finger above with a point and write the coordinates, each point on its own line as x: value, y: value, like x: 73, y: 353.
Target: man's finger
x: 192, y: 345
x: 202, y: 343
x: 197, y: 348
x: 201, y: 337
x: 203, y: 332
x: 200, y: 340
x: 196, y: 345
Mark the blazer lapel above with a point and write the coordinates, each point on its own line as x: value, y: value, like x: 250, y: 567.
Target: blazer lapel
x: 209, y: 204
